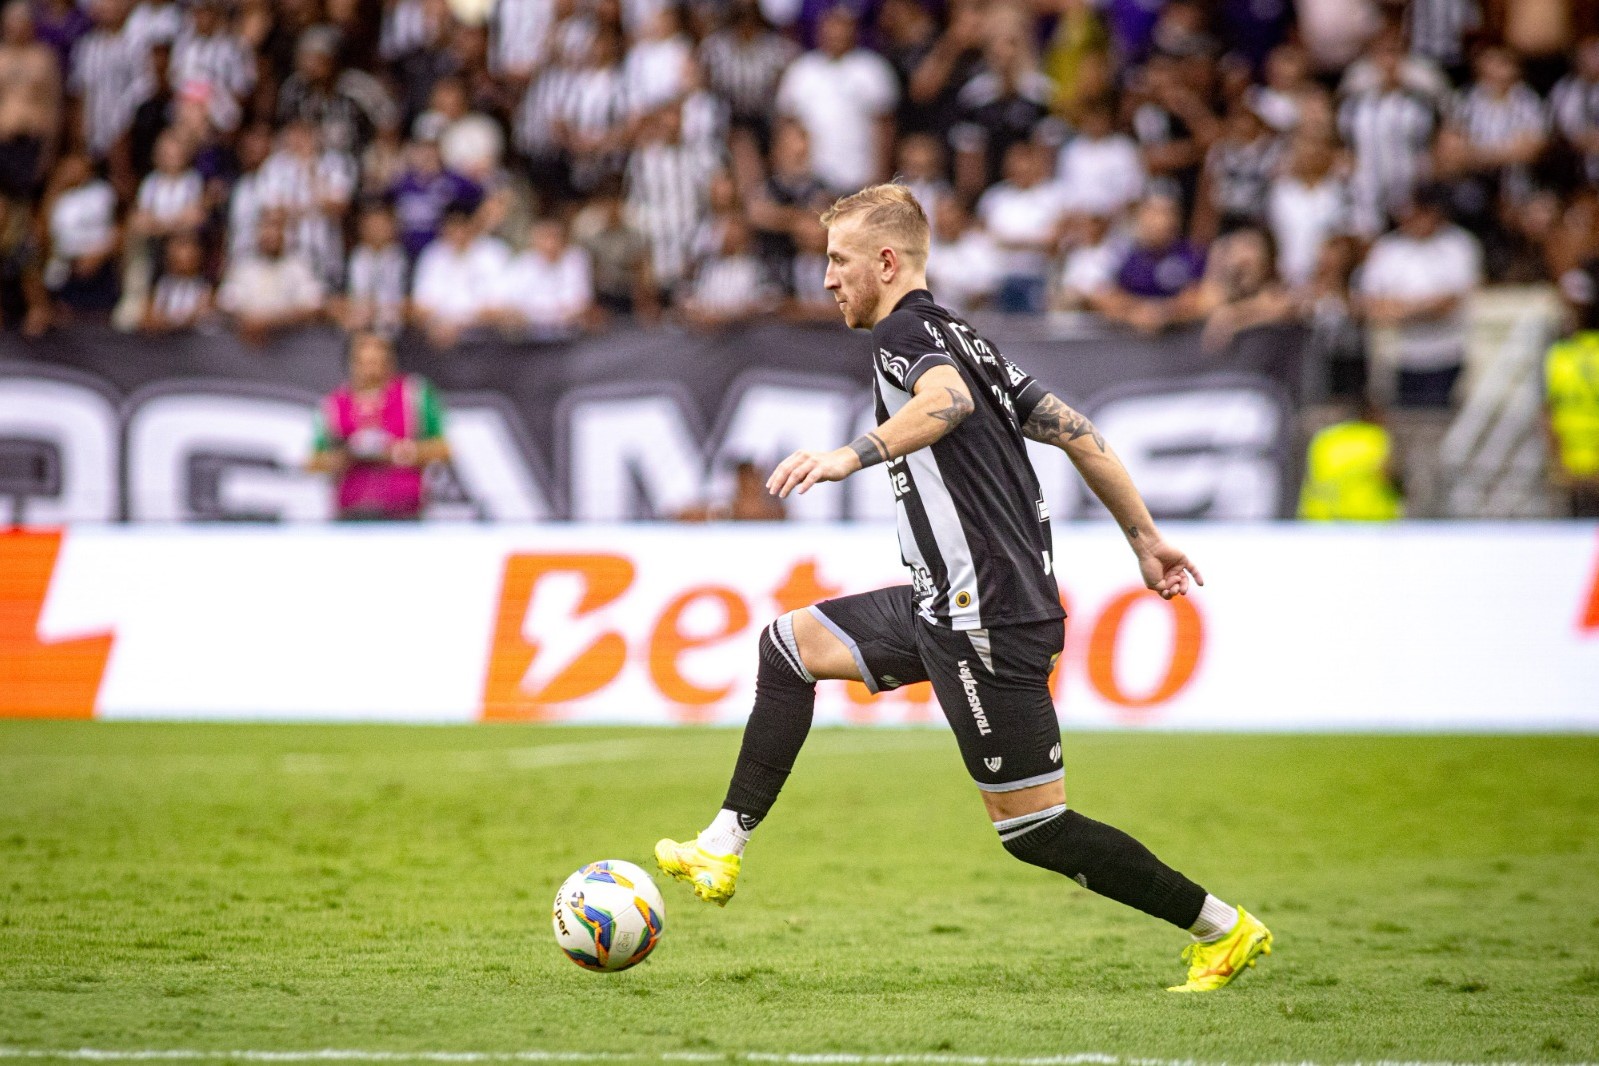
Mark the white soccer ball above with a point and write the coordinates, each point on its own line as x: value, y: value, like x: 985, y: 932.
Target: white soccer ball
x: 608, y: 916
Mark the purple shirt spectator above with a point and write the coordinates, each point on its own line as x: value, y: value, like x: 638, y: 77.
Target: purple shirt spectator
x: 60, y: 25
x: 420, y: 201
x: 1160, y: 273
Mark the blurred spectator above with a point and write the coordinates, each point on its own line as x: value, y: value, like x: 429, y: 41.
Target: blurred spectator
x: 519, y: 35
x: 806, y: 277
x: 1173, y: 126
x: 311, y: 187
x: 1095, y: 254
x: 110, y: 78
x: 1390, y: 128
x: 1351, y: 471
x: 1438, y: 31
x: 343, y: 108
x: 546, y: 292
x: 909, y: 34
x: 377, y: 434
x: 1099, y: 169
x: 1238, y: 169
x: 271, y: 289
x: 1159, y: 282
x: 844, y: 96
x: 1305, y: 205
x: 1408, y: 70
x: 153, y: 22
x: 1335, y: 350
x: 1288, y: 91
x: 743, y: 62
x: 30, y: 103
x: 470, y: 143
x: 375, y: 282
x: 424, y: 193
x: 591, y: 118
x: 85, y: 240
x: 1415, y: 283
x: 936, y: 77
x: 790, y: 196
x: 1574, y: 108
x: 963, y: 264
x: 921, y: 169
x: 732, y: 285
x: 623, y: 282
x: 705, y: 118
x: 1005, y: 103
x: 245, y: 202
x: 1243, y: 289
x: 655, y: 71
x: 61, y: 24
x: 457, y: 277
x: 170, y: 199
x: 1495, y: 131
x: 667, y: 193
x: 151, y: 118
x: 183, y: 298
x: 1335, y: 31
x: 1571, y: 384
x: 24, y: 302
x: 1023, y: 214
x: 206, y: 52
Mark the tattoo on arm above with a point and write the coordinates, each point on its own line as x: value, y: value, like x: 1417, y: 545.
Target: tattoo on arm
x: 1132, y: 533
x: 960, y: 405
x: 871, y: 449
x: 1052, y: 422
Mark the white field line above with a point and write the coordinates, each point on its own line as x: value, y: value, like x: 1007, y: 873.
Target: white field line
x: 762, y: 1058
x: 487, y: 759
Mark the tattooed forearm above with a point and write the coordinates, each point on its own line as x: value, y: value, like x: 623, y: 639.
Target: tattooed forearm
x: 960, y: 405
x: 1132, y: 533
x: 871, y: 449
x: 1052, y: 422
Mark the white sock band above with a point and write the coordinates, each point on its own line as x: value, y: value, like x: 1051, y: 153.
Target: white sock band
x: 724, y: 836
x: 1216, y: 919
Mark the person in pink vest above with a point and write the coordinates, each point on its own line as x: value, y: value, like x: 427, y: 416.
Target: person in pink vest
x: 376, y: 435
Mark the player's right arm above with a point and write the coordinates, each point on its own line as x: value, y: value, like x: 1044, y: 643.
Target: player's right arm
x: 1165, y: 568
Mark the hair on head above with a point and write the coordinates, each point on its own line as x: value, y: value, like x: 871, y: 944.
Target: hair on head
x: 890, y: 208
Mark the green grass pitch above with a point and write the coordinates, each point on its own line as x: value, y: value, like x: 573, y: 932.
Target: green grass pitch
x: 286, y: 888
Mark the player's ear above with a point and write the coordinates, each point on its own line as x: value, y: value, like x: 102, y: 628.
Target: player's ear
x: 888, y: 264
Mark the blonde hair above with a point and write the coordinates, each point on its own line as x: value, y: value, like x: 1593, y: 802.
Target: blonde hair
x: 891, y: 209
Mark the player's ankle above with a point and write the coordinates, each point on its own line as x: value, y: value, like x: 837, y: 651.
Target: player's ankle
x: 1216, y: 919
x: 727, y: 834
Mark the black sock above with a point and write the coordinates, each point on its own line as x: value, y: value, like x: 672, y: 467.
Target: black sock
x: 1106, y: 860
x: 785, y: 700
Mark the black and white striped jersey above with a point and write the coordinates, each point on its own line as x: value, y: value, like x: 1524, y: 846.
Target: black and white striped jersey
x: 973, y: 526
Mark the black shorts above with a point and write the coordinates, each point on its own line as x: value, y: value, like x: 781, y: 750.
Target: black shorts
x: 992, y: 683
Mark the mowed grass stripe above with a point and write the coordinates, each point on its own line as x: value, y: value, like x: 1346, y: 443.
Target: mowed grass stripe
x: 821, y: 1059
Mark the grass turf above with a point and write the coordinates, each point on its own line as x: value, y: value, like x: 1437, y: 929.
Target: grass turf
x: 291, y: 888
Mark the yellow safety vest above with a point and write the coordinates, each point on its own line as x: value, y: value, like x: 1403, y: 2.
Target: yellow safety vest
x: 1346, y: 478
x: 1571, y: 381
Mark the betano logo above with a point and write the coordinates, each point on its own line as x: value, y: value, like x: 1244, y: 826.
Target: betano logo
x: 40, y: 678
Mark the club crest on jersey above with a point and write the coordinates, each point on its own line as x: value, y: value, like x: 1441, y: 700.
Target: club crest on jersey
x: 896, y: 366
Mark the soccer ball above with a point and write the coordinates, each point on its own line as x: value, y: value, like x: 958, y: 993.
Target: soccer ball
x: 608, y: 916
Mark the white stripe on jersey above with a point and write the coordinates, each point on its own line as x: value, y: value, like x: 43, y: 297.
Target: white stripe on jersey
x: 944, y: 523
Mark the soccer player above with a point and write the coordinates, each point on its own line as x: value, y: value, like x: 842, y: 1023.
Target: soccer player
x: 981, y: 618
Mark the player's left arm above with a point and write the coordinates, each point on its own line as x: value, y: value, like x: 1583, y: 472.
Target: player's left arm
x: 940, y: 401
x: 1165, y: 568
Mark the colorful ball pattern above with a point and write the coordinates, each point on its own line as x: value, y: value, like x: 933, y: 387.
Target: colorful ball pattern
x: 608, y: 916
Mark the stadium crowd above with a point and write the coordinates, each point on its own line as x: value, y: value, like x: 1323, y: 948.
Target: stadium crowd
x: 542, y: 167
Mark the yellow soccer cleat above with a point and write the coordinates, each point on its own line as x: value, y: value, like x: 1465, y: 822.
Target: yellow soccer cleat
x: 713, y: 877
x: 1213, y: 964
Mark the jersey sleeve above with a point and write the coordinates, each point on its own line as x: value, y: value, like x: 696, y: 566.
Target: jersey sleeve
x: 908, y: 346
x: 1025, y: 391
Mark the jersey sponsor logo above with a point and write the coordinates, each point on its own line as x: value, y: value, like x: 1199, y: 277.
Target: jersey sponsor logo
x: 969, y: 683
x: 994, y: 763
x: 933, y: 332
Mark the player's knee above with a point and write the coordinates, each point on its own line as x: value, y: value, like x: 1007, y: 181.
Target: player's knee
x: 781, y: 663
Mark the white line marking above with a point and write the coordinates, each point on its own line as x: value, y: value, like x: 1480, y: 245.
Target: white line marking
x: 819, y: 1059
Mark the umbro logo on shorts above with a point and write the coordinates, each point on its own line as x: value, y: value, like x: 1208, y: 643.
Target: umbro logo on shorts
x: 993, y: 764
